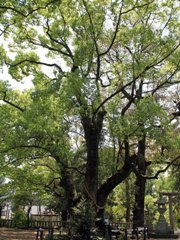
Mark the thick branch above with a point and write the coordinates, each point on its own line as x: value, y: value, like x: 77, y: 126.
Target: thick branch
x: 95, y: 42
x: 69, y: 54
x: 12, y: 104
x: 118, y: 22
x: 5, y: 29
x: 127, y: 106
x: 115, y: 32
x: 52, y: 181
x: 158, y: 172
x: 29, y: 13
x: 167, y: 80
x: 134, y: 79
x: 35, y: 62
x: 114, y: 180
x: 137, y: 6
x: 169, y: 19
x: 44, y: 45
x: 111, y: 96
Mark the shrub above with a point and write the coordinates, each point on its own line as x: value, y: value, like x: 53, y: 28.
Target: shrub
x: 83, y: 222
x: 19, y: 217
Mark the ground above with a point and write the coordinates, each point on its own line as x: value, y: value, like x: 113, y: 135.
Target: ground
x: 16, y: 234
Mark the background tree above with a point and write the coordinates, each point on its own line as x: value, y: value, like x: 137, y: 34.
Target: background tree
x: 28, y: 185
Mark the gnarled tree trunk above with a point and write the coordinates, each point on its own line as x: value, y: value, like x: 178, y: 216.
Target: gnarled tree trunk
x: 140, y: 186
x: 92, y: 129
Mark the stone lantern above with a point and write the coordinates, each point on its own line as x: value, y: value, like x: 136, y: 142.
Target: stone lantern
x: 162, y: 226
x: 162, y: 229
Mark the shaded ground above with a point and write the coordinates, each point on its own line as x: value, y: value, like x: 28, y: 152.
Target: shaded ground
x: 17, y: 234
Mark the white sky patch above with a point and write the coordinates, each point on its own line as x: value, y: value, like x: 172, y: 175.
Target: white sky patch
x: 21, y: 85
x: 5, y: 76
x: 26, y: 83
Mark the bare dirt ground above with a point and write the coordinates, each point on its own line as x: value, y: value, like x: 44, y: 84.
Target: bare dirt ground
x: 17, y: 234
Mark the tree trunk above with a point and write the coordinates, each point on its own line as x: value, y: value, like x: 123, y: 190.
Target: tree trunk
x: 28, y: 214
x: 91, y: 177
x: 92, y: 129
x: 1, y: 208
x: 140, y: 186
x: 69, y: 189
x: 64, y: 217
x: 128, y: 201
x: 138, y: 212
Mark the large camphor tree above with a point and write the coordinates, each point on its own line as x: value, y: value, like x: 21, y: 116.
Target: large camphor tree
x: 101, y: 74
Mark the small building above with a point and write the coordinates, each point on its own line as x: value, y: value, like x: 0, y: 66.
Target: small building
x: 6, y: 211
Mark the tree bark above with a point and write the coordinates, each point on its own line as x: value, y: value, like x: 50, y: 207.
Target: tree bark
x: 128, y: 201
x: 140, y: 186
x: 28, y: 214
x: 1, y: 208
x: 92, y: 130
x: 138, y: 212
x: 69, y: 189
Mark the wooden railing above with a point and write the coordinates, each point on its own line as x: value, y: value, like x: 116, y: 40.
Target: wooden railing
x: 6, y: 223
x: 57, y: 224
x: 121, y: 225
x: 44, y: 224
x: 32, y: 223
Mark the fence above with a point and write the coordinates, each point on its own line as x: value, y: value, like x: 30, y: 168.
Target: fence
x: 6, y: 223
x: 121, y: 225
x: 56, y: 224
x: 116, y: 228
x: 32, y: 224
x: 126, y: 229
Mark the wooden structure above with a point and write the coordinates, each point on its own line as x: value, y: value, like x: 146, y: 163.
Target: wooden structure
x: 9, y: 223
x: 45, y: 217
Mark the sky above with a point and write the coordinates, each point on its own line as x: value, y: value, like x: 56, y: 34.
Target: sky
x: 26, y: 83
x: 4, y: 76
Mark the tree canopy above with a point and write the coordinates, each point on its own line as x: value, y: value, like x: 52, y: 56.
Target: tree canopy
x: 101, y: 105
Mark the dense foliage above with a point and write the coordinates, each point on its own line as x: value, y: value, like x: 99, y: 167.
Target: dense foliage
x: 101, y: 105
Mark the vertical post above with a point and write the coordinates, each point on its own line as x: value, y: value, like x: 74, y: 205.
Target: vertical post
x: 125, y: 234
x: 145, y: 232
x: 137, y: 233
x: 51, y: 233
x: 171, y: 215
x: 41, y: 234
x: 37, y: 235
